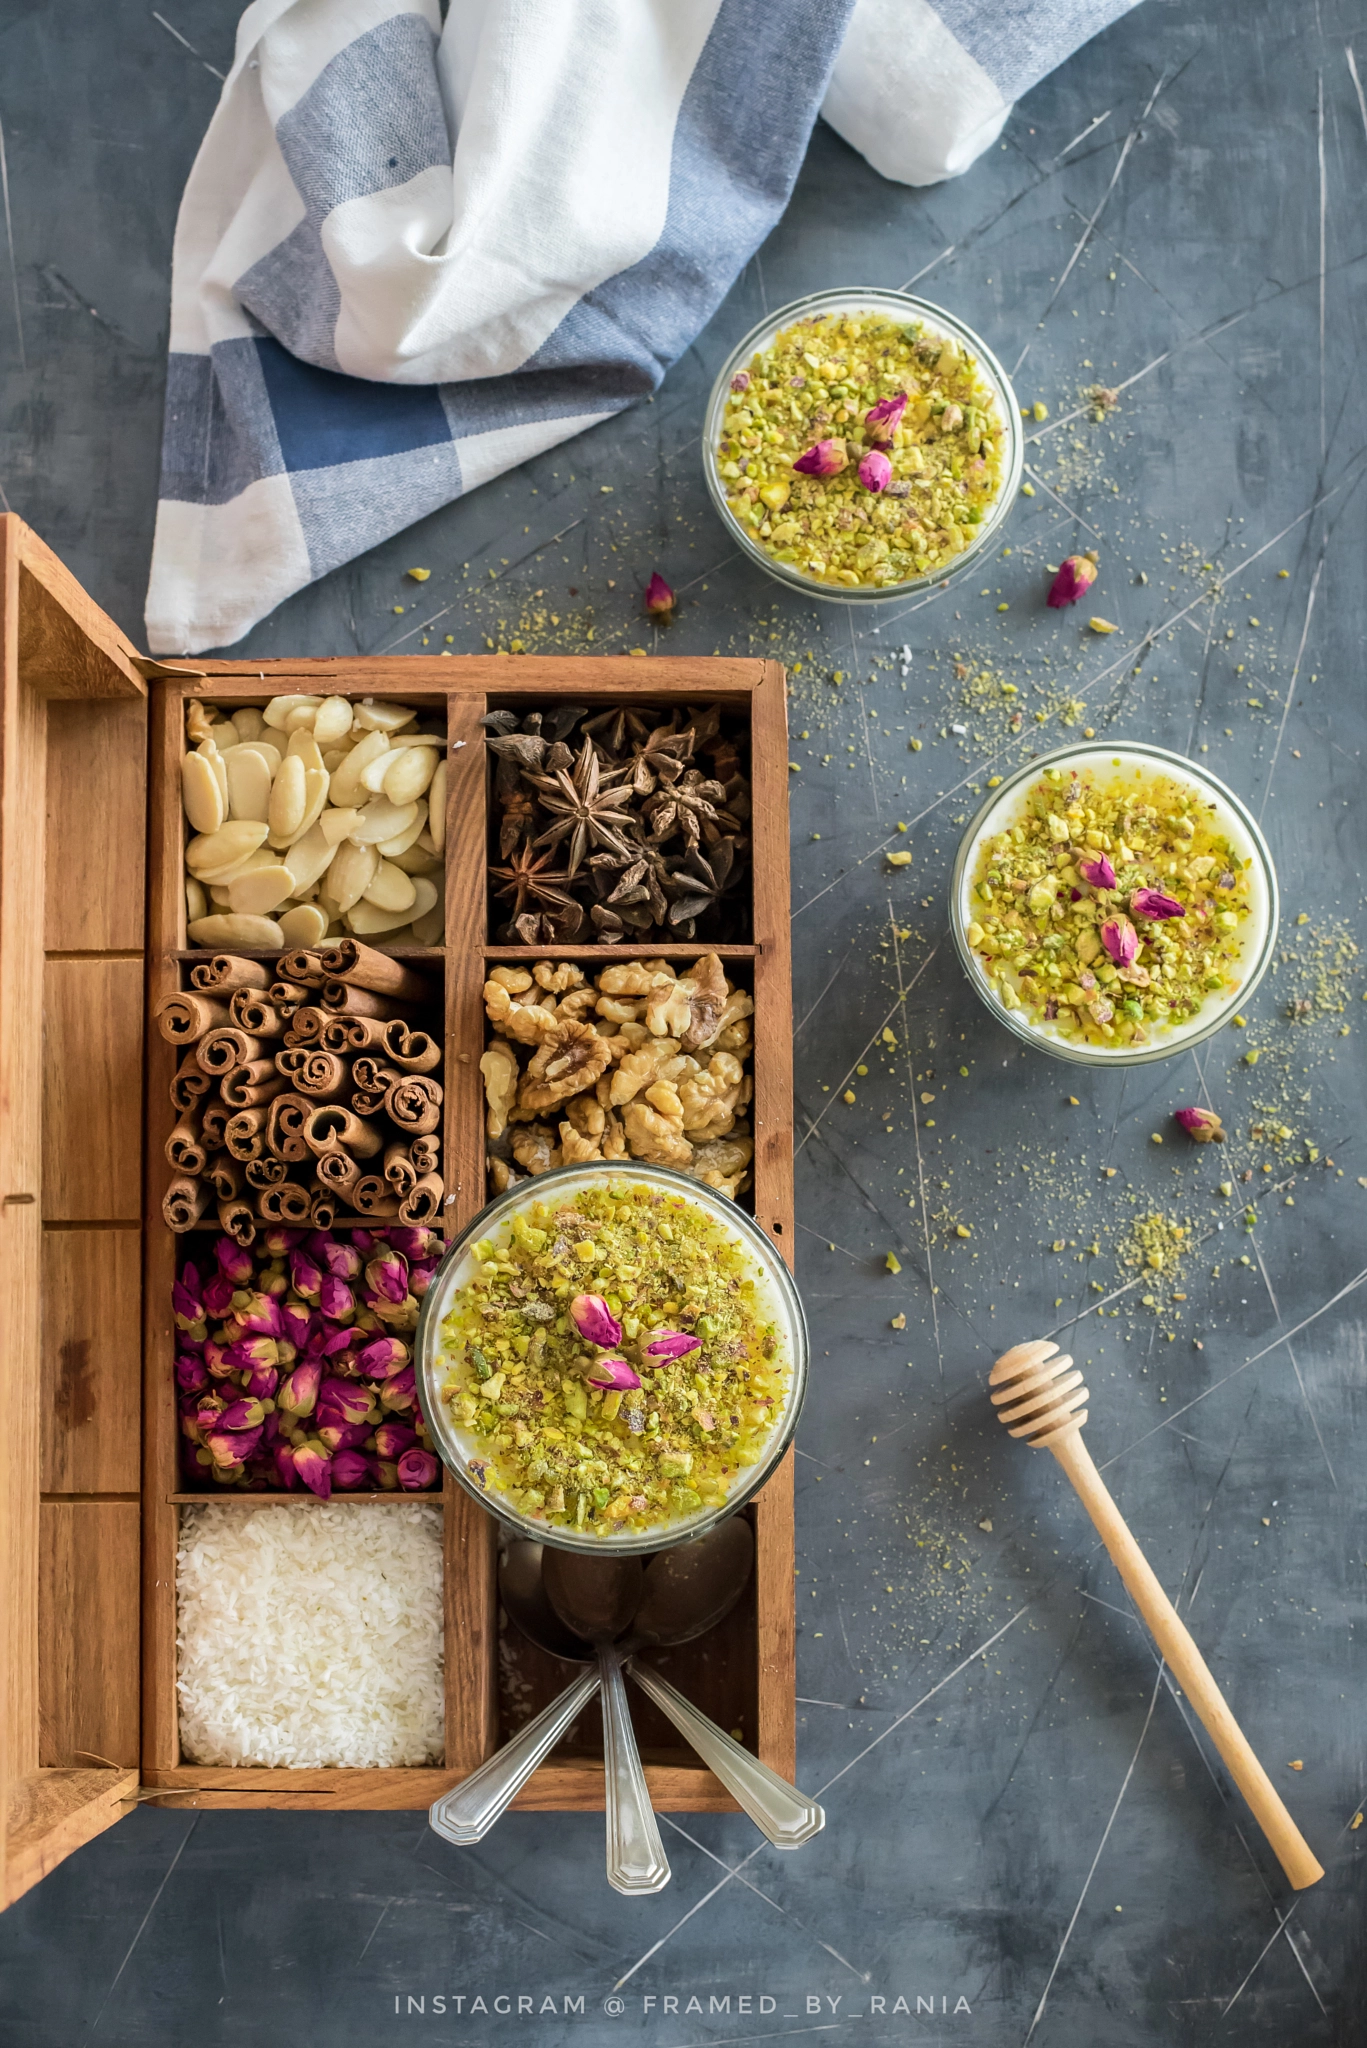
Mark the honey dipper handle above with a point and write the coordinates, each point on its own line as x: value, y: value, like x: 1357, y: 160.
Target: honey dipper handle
x: 1187, y: 1664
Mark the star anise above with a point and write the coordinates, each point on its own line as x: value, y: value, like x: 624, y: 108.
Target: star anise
x: 698, y: 884
x: 684, y: 807
x: 659, y: 757
x: 519, y: 815
x: 530, y: 882
x: 584, y: 809
x: 641, y: 879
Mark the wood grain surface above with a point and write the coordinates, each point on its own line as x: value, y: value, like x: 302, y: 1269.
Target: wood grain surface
x: 89, y: 1598
x: 91, y: 1361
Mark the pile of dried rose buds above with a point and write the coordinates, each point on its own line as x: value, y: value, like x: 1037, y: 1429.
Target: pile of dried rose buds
x: 294, y: 1362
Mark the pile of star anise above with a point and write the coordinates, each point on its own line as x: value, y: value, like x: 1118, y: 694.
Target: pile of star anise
x: 624, y: 825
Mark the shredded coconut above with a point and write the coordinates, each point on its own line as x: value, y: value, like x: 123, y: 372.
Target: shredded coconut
x: 311, y: 1637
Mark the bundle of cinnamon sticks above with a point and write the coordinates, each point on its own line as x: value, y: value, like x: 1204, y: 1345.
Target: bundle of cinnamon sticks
x: 305, y: 1092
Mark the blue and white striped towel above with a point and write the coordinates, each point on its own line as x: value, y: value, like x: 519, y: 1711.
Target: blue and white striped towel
x: 410, y: 256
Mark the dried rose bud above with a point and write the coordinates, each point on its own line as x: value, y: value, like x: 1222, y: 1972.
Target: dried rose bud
x: 392, y: 1439
x: 1098, y: 872
x: 1120, y: 939
x: 218, y: 1295
x: 1074, y: 578
x: 230, y: 1450
x: 659, y: 599
x: 343, y: 1261
x: 1201, y: 1124
x: 186, y: 1304
x: 336, y: 1300
x: 825, y: 458
x: 314, y: 1467
x: 420, y: 1278
x: 343, y: 1436
x: 1154, y: 903
x: 242, y: 1415
x: 261, y: 1381
x: 305, y: 1275
x: 881, y: 421
x: 387, y: 1275
x: 365, y: 1241
x: 614, y: 1374
x: 252, y: 1351
x: 350, y: 1469
x: 670, y: 1344
x: 234, y: 1261
x: 416, y: 1470
x: 413, y: 1242
x: 386, y: 1475
x: 741, y: 381
x: 260, y: 1317
x: 344, y: 1400
x: 383, y: 1356
x: 217, y: 1359
x: 299, y: 1393
x: 595, y: 1321
x: 191, y: 1372
x: 875, y: 471
x: 296, y: 1323
x: 399, y: 1392
x: 279, y: 1240
x: 283, y: 1456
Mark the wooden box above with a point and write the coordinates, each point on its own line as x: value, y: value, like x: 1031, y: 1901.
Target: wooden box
x: 92, y: 934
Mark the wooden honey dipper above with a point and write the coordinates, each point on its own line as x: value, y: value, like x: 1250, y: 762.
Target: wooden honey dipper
x: 1040, y: 1396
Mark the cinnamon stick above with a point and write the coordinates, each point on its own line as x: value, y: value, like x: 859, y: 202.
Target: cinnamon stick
x: 245, y: 1134
x: 374, y: 1197
x: 224, y: 1176
x: 287, y: 995
x: 228, y: 1047
x: 416, y: 1052
x: 424, y: 1204
x: 323, y: 1077
x: 189, y: 1083
x: 322, y: 1209
x: 352, y: 1034
x: 338, y: 1173
x: 399, y: 1170
x: 258, y: 1081
x: 348, y: 960
x: 265, y: 1173
x: 255, y: 1012
x: 237, y: 1219
x: 214, y: 1124
x: 332, y: 1128
x: 186, y: 1151
x: 288, y: 1203
x: 343, y: 1000
x: 303, y: 966
x: 183, y: 1203
x: 308, y: 1024
x: 183, y: 1017
x: 291, y: 1060
x: 426, y: 1153
x: 288, y: 1117
x: 227, y: 972
x: 414, y: 1103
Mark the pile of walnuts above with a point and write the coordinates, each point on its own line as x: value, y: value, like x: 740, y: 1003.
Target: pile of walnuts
x: 645, y: 1062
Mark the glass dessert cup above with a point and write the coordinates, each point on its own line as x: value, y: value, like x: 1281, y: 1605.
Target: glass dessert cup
x: 901, y: 307
x: 460, y: 1449
x: 1232, y: 817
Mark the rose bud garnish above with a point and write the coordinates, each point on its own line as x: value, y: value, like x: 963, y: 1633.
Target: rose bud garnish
x: 336, y: 1300
x: 283, y: 1455
x: 186, y: 1305
x: 824, y: 458
x: 344, y: 1400
x: 1073, y: 579
x: 260, y: 1317
x: 349, y: 1470
x: 670, y: 1344
x: 875, y: 471
x: 299, y: 1393
x: 242, y: 1415
x: 881, y: 421
x: 192, y: 1374
x: 218, y: 1295
x: 1121, y: 940
x: 612, y: 1374
x: 278, y: 1240
x: 400, y: 1391
x: 234, y: 1261
x: 314, y: 1467
x: 1097, y: 872
x: 1154, y: 903
x: 343, y: 1436
x: 387, y: 1275
x: 416, y: 1470
x: 1201, y: 1124
x: 392, y: 1439
x: 383, y: 1356
x: 595, y: 1321
x: 659, y: 600
x: 741, y: 381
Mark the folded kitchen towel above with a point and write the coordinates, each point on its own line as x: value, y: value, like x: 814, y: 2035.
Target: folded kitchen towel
x: 412, y: 255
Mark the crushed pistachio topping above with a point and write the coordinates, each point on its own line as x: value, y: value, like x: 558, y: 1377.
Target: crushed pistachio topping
x: 1112, y: 908
x: 861, y: 451
x: 696, y: 1334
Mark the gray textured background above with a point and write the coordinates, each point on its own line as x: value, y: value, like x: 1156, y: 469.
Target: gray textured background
x: 1043, y: 1818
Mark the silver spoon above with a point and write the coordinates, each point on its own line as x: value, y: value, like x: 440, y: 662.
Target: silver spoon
x: 596, y: 1597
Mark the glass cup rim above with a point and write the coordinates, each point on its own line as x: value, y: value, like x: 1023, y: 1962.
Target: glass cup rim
x: 426, y: 1354
x: 854, y: 298
x: 1093, y: 1056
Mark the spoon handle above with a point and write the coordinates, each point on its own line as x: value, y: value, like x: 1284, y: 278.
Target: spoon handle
x: 467, y: 1813
x: 636, y: 1857
x: 778, y: 1810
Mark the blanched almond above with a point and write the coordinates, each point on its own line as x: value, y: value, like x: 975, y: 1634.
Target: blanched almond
x: 333, y: 721
x: 401, y: 841
x: 379, y: 715
x: 350, y: 874
x: 223, y: 735
x: 415, y: 861
x: 196, y: 903
x: 260, y: 890
x: 235, y: 930
x: 288, y: 799
x: 278, y: 710
x: 436, y: 808
x: 219, y: 878
x: 249, y: 773
x: 309, y: 857
x: 300, y: 719
x: 346, y: 780
x: 374, y: 772
x: 382, y: 820
x: 390, y: 888
x: 305, y: 925
x: 316, y: 782
x: 201, y: 794
x: 337, y: 824
x: 305, y: 747
x: 365, y: 918
x: 409, y: 773
x: 224, y: 847
x: 430, y: 928
x: 248, y: 723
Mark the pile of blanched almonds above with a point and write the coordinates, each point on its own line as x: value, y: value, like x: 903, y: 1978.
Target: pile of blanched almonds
x: 314, y: 817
